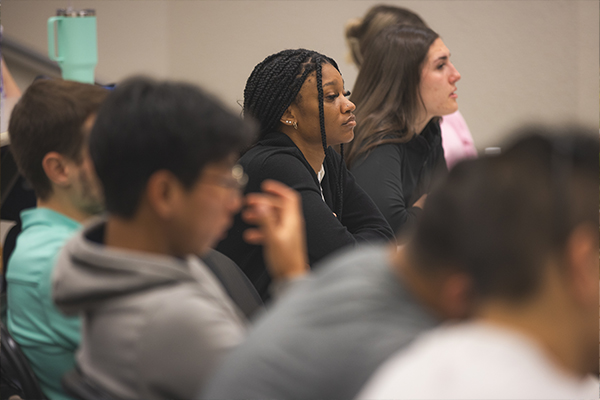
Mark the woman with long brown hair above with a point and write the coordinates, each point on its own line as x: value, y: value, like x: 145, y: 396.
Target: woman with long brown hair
x: 457, y: 140
x: 406, y: 83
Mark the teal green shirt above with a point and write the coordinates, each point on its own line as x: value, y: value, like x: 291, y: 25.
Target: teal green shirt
x: 47, y: 337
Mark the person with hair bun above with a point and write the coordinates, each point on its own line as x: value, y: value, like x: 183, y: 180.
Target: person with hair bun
x: 299, y: 100
x: 360, y: 33
x: 406, y: 83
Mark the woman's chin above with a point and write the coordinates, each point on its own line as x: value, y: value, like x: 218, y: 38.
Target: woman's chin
x: 346, y: 138
x: 452, y: 110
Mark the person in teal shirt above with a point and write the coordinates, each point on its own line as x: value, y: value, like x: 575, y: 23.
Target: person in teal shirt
x: 48, y: 338
x: 48, y: 130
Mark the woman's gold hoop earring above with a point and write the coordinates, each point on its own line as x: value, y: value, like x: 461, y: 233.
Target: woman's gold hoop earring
x: 295, y: 124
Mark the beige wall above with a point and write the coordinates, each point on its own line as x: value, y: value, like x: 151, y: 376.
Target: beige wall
x: 520, y: 60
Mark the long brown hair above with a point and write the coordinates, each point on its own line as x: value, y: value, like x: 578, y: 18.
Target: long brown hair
x: 386, y: 92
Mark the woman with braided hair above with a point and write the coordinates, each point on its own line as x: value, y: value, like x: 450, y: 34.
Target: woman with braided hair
x: 298, y: 98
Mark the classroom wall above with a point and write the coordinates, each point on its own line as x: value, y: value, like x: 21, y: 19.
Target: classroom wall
x: 521, y: 60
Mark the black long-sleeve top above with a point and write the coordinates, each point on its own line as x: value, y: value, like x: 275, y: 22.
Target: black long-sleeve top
x: 277, y: 157
x: 396, y: 175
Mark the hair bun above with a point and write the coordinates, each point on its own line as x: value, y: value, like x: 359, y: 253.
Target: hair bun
x: 352, y: 27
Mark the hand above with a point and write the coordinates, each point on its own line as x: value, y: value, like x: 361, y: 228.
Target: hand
x: 421, y: 202
x: 277, y: 212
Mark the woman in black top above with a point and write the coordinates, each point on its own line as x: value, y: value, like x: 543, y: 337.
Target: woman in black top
x: 298, y: 98
x: 406, y: 82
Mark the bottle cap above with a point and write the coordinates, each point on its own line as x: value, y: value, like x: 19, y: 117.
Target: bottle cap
x: 70, y: 12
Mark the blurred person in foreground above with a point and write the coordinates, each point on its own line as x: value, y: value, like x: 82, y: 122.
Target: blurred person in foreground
x: 330, y: 334
x: 528, y: 233
x: 49, y: 131
x: 156, y: 321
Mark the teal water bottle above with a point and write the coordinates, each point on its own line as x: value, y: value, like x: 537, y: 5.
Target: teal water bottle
x: 76, y: 49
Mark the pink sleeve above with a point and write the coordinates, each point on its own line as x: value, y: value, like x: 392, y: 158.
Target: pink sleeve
x: 456, y: 139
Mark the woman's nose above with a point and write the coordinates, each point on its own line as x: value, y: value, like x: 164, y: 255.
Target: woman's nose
x: 455, y: 75
x: 349, y: 106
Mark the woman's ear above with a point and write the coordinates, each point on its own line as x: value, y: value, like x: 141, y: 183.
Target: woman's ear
x: 288, y: 117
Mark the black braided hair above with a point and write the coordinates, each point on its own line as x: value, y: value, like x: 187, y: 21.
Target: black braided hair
x: 340, y: 187
x: 328, y: 160
x: 275, y: 83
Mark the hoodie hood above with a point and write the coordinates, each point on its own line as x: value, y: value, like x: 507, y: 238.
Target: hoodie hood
x: 87, y: 273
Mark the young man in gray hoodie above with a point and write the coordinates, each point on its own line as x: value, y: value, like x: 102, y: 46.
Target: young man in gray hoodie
x: 155, y: 319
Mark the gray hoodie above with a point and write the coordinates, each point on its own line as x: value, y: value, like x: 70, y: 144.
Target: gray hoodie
x: 154, y: 327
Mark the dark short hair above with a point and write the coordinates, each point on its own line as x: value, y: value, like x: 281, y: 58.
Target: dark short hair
x: 146, y: 125
x: 49, y: 117
x: 502, y: 217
